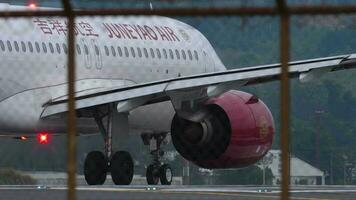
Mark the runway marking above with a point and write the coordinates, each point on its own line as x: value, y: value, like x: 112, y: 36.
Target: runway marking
x: 159, y: 190
x: 195, y: 193
x: 242, y: 195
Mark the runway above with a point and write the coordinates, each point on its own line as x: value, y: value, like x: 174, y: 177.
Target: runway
x: 178, y: 192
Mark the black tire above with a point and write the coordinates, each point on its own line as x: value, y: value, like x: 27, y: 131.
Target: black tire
x: 152, y: 176
x: 95, y: 168
x: 122, y: 168
x: 165, y: 174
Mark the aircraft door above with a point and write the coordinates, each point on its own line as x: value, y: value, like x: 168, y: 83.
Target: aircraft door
x: 96, y: 54
x: 208, y: 62
x: 86, y: 53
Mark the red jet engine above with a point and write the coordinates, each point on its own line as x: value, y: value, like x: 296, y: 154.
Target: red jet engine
x: 237, y: 131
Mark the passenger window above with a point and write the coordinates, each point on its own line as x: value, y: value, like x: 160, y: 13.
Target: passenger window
x: 152, y: 53
x: 65, y: 49
x: 2, y: 45
x: 177, y: 54
x: 44, y: 47
x: 23, y: 45
x: 119, y: 51
x: 171, y: 54
x: 165, y: 53
x: 139, y: 52
x: 16, y: 46
x: 196, y: 55
x: 158, y: 53
x: 51, y: 48
x: 133, y: 51
x: 145, y: 51
x: 79, y: 51
x: 183, y: 54
x: 9, y: 45
x: 97, y: 51
x: 30, y: 47
x: 113, y: 51
x: 38, y: 49
x: 106, y: 50
x: 190, y: 55
x: 58, y: 48
x: 86, y: 50
x: 126, y: 52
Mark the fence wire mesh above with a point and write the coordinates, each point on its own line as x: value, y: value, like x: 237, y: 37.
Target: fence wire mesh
x: 321, y: 121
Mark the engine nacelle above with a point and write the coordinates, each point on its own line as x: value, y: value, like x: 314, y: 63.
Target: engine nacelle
x: 237, y: 131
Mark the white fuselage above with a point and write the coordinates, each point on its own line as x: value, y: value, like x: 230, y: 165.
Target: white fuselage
x: 110, y: 52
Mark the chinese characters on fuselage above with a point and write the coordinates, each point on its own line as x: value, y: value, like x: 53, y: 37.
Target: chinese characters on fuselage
x: 55, y: 26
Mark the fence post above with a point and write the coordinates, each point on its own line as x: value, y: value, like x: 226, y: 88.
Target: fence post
x: 285, y: 97
x: 71, y: 137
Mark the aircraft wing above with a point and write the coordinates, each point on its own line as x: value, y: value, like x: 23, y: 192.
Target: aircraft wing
x: 200, y: 86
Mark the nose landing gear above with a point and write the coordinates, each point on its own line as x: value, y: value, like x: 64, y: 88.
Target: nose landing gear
x: 157, y: 171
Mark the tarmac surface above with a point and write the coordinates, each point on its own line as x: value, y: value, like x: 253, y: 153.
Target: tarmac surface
x: 178, y: 192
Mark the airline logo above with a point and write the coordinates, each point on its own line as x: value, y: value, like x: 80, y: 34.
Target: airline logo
x: 142, y: 32
x: 50, y: 26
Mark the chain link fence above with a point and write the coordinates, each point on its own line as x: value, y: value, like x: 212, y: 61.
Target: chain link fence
x: 317, y: 134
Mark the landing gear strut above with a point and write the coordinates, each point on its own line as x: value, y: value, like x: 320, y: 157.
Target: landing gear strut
x: 157, y: 171
x: 97, y: 165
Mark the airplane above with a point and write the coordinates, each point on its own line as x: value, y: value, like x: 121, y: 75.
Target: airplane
x: 151, y: 75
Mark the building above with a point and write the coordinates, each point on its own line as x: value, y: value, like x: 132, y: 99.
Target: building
x: 301, y: 172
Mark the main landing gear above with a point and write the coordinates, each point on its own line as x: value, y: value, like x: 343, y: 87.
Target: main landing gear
x: 97, y: 165
x: 157, y: 171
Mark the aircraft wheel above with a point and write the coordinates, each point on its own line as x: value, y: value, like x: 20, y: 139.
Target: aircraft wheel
x: 95, y: 168
x: 165, y: 174
x: 122, y: 168
x: 152, y: 175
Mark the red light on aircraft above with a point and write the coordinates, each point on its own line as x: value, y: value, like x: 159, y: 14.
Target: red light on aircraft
x: 42, y: 138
